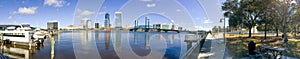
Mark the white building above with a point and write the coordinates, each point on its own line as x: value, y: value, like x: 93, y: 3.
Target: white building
x: 86, y: 23
x: 118, y: 19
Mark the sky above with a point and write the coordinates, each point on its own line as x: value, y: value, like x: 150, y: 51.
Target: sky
x: 39, y: 12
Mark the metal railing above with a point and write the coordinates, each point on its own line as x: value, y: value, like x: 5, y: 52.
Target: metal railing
x: 194, y: 51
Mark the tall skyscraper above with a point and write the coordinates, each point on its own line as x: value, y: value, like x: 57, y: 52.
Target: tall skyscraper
x: 118, y: 19
x: 86, y: 23
x: 147, y: 22
x: 136, y: 23
x: 107, y: 20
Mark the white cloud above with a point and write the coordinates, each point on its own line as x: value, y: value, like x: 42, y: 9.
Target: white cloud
x: 9, y: 17
x: 86, y: 13
x: 26, y: 10
x: 207, y: 21
x: 55, y: 3
x: 151, y: 5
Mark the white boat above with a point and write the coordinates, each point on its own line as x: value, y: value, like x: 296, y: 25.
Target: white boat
x: 38, y: 34
x: 18, y: 34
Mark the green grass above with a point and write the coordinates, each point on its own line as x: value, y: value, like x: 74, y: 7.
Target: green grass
x: 239, y: 46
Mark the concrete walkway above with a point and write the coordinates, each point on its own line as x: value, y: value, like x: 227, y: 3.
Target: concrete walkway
x: 217, y: 48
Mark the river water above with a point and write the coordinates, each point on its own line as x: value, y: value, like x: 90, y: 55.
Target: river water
x: 99, y: 44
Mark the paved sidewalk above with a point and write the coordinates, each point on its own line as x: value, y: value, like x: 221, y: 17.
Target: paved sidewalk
x: 217, y: 48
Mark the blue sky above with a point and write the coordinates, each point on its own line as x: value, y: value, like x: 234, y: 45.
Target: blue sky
x: 22, y: 11
x: 38, y: 12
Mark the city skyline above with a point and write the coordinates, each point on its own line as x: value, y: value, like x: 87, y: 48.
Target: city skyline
x: 39, y: 12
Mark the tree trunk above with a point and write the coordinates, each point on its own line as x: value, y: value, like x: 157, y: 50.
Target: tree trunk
x: 265, y: 31
x: 250, y: 28
x: 284, y: 33
x: 295, y: 31
x: 276, y: 29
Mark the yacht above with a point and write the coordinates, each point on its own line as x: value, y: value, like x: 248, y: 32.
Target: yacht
x: 19, y: 34
x: 39, y: 34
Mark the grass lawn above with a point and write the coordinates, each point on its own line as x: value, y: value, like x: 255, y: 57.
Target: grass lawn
x: 238, y: 46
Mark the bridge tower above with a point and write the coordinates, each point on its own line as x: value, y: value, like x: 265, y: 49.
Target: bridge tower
x: 147, y: 23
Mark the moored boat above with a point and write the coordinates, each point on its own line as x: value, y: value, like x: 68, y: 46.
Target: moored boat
x: 19, y: 34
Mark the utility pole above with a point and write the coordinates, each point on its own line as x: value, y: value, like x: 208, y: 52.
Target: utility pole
x: 223, y: 20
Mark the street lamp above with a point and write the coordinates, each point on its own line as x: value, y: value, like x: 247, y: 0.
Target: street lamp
x: 223, y: 20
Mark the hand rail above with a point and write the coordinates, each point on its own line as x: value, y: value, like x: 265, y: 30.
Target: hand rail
x: 197, y: 46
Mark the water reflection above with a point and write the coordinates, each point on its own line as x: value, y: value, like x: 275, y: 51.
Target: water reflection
x: 118, y: 41
x: 16, y: 51
x: 85, y: 46
x: 115, y: 44
x: 105, y: 46
x: 140, y: 44
x: 135, y: 38
x: 107, y: 40
x: 23, y: 51
x: 147, y: 43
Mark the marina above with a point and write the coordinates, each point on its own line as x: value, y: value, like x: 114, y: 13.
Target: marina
x: 114, y: 44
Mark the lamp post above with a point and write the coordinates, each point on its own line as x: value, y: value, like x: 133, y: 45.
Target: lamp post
x: 223, y: 20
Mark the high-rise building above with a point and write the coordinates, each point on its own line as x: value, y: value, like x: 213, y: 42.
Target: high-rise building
x: 107, y: 20
x: 136, y: 23
x: 52, y: 25
x: 97, y: 25
x: 147, y: 22
x: 118, y: 19
x: 86, y: 23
